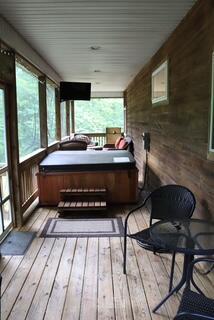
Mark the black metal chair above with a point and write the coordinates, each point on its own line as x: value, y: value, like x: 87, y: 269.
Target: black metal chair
x: 195, y: 305
x: 0, y: 294
x: 166, y: 202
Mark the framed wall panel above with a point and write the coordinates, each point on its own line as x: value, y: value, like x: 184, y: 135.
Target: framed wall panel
x: 160, y: 84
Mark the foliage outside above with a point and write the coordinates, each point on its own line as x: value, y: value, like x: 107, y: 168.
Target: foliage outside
x: 28, y: 111
x: 63, y: 119
x: 3, y: 157
x: 96, y: 115
x: 90, y: 116
x: 51, y: 113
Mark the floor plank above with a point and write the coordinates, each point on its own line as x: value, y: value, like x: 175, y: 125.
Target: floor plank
x: 136, y: 288
x: 32, y: 219
x: 10, y: 295
x: 3, y: 262
x: 52, y: 213
x: 123, y: 309
x: 89, y: 294
x: 36, y: 226
x: 29, y: 288
x: 74, y: 292
x: 159, y: 270
x: 82, y: 278
x: 152, y: 291
x: 105, y: 284
x: 58, y: 295
x: 40, y: 300
x: 9, y: 271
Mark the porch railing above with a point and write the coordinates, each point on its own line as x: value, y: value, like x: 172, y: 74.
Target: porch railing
x: 3, y: 178
x: 99, y: 138
x: 28, y: 182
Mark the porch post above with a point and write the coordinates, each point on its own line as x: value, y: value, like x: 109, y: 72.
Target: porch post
x: 72, y: 117
x: 58, y: 115
x: 43, y: 112
x: 9, y: 78
x: 68, y: 118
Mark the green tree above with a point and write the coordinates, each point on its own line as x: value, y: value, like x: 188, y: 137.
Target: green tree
x: 28, y: 111
x: 2, y: 130
x: 95, y: 115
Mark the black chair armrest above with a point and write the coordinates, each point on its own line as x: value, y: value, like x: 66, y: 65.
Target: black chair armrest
x: 132, y: 211
x: 195, y: 316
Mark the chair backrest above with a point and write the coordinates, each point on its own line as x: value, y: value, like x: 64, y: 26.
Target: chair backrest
x: 117, y: 142
x: 73, y: 145
x: 172, y: 201
x: 125, y: 143
x: 130, y: 146
x: 81, y: 137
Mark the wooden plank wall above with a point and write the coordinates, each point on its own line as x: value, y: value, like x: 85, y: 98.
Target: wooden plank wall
x: 179, y: 130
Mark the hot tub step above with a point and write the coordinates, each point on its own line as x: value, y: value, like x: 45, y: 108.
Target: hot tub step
x: 83, y: 192
x: 81, y: 205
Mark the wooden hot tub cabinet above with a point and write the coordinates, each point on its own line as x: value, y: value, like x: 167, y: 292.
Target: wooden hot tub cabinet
x: 121, y: 185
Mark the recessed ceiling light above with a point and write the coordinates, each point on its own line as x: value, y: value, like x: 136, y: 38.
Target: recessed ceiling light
x: 97, y: 71
x: 94, y: 48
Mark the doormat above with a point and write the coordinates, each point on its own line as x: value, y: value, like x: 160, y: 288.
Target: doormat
x: 16, y: 243
x: 80, y: 228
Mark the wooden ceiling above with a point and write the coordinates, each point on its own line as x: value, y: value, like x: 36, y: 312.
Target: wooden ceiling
x: 128, y: 33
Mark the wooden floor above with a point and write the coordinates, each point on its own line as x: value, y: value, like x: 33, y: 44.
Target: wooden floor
x: 82, y: 278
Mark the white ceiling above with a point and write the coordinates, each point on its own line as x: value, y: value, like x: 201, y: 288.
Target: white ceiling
x: 127, y: 31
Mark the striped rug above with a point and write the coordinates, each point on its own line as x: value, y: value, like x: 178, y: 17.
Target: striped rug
x: 74, y: 228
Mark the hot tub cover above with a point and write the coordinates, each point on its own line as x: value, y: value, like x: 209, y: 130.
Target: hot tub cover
x: 87, y: 160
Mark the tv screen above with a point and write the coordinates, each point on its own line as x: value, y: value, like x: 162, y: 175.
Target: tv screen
x: 75, y: 91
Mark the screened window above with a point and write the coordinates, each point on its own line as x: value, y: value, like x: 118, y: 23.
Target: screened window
x: 28, y: 110
x: 96, y: 115
x: 211, y: 140
x: 3, y: 153
x: 51, y: 113
x: 63, y: 119
x: 5, y: 201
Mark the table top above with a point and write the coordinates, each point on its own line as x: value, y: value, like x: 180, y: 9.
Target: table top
x: 189, y: 236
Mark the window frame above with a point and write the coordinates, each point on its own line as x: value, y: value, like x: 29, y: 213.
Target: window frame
x: 165, y: 98
x: 6, y: 168
x: 51, y: 83
x: 65, y: 114
x: 211, y: 120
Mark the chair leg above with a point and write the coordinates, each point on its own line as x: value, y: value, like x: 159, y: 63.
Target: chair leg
x: 0, y: 294
x: 124, y: 254
x: 172, y: 271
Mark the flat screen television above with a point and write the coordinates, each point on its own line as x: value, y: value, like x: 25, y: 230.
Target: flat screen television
x: 75, y: 91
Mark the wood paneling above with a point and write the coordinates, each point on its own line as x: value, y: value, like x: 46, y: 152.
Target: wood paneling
x: 179, y: 130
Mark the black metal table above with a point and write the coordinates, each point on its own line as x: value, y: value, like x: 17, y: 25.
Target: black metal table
x: 190, y: 237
